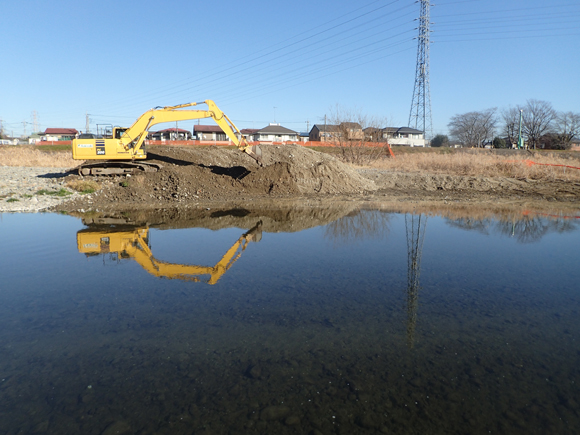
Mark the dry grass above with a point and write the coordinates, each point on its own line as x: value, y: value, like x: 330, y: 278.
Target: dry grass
x: 427, y: 161
x: 30, y: 157
x: 484, y: 165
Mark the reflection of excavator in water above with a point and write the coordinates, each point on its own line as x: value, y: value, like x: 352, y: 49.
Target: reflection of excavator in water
x: 134, y: 244
x: 118, y: 150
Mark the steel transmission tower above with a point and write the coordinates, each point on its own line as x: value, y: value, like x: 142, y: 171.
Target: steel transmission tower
x: 415, y: 228
x: 420, y: 116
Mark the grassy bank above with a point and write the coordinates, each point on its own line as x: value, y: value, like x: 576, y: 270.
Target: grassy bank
x: 53, y: 156
x: 538, y: 165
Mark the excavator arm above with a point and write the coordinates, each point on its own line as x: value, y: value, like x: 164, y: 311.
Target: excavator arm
x: 133, y: 244
x: 126, y: 146
x: 135, y: 136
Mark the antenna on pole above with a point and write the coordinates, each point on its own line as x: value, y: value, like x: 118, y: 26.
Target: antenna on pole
x: 420, y: 116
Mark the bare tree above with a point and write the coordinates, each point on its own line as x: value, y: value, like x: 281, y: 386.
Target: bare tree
x: 474, y: 129
x: 567, y: 127
x: 537, y: 120
x: 355, y: 134
x: 511, y: 119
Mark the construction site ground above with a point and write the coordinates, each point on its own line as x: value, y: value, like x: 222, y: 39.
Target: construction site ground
x: 216, y: 176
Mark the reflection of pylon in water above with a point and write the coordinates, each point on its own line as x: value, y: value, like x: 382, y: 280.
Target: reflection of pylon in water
x: 415, y: 228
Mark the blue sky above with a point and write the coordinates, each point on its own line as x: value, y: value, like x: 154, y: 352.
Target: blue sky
x: 286, y: 62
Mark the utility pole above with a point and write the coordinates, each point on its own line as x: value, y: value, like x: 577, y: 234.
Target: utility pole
x: 520, y: 138
x: 34, y: 121
x: 420, y: 116
x: 24, y: 128
x: 87, y: 123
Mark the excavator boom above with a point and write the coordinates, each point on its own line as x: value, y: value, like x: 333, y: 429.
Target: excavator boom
x: 134, y: 244
x: 126, y: 145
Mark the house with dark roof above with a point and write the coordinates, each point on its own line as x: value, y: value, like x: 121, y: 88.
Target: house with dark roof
x: 249, y: 133
x: 171, y: 134
x: 333, y: 133
x: 275, y: 133
x: 405, y: 136
x: 51, y: 134
x: 211, y: 133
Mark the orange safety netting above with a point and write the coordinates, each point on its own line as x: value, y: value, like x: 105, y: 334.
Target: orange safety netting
x: 557, y: 216
x: 531, y: 163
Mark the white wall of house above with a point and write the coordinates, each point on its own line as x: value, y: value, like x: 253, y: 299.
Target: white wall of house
x: 410, y: 140
x: 276, y: 137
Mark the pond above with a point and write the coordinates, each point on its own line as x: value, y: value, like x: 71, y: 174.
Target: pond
x: 336, y: 320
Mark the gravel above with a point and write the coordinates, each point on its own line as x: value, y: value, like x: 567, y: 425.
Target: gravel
x: 31, y: 190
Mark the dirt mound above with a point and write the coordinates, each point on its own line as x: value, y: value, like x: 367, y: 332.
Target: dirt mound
x: 189, y: 175
x: 291, y: 216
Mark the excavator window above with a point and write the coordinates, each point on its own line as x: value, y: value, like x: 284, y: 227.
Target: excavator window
x: 119, y: 132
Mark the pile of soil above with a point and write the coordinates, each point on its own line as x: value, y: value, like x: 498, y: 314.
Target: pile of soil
x: 190, y: 175
x: 292, y: 216
x: 205, y: 176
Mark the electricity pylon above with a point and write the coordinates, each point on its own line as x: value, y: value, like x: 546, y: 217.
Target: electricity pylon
x: 420, y: 116
x: 415, y: 228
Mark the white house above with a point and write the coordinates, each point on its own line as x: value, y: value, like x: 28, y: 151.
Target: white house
x: 276, y: 133
x: 405, y: 136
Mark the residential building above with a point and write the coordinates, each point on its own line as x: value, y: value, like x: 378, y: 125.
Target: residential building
x: 405, y: 136
x: 56, y: 134
x: 171, y: 134
x: 211, y: 133
x: 249, y: 133
x: 276, y: 133
x: 34, y: 138
x: 333, y: 133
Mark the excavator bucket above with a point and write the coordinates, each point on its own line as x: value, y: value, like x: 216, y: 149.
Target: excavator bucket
x: 255, y: 152
x: 254, y: 234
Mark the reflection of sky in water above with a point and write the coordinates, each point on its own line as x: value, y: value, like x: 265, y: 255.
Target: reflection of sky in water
x: 315, y: 324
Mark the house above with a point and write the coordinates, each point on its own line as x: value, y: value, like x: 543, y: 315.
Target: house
x: 575, y: 145
x: 171, y: 134
x: 405, y: 136
x: 276, y: 133
x: 332, y: 133
x: 323, y: 133
x: 34, y: 138
x: 56, y: 134
x: 249, y: 133
x: 211, y: 133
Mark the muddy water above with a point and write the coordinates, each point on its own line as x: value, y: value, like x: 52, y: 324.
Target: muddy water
x: 361, y: 322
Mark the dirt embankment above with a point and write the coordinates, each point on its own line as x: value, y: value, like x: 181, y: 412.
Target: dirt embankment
x: 193, y: 177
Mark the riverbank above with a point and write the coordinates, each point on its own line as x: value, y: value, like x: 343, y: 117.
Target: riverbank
x: 212, y: 176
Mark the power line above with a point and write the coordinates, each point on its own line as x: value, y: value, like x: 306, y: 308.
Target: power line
x: 251, y: 60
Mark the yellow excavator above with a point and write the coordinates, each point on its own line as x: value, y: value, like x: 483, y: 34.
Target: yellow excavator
x: 123, y: 244
x: 122, y: 151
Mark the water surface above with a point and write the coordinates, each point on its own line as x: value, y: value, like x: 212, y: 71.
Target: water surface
x: 326, y: 321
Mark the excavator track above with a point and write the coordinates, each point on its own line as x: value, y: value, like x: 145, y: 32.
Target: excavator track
x: 116, y: 168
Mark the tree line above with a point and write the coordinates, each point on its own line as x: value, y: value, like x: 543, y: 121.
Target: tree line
x: 541, y: 127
